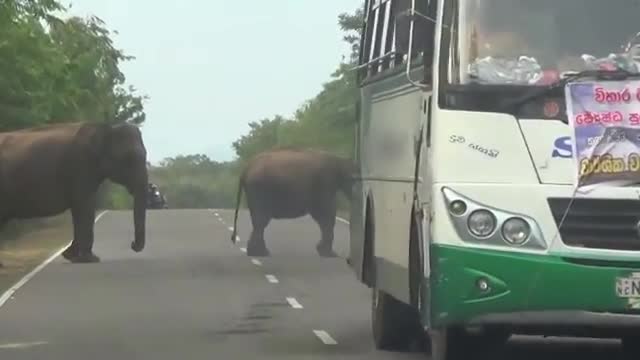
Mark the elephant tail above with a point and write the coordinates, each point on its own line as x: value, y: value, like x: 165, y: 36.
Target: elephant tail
x: 238, y: 198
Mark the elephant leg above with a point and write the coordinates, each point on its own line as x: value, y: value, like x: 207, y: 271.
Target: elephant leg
x: 71, y: 251
x: 326, y: 219
x: 256, y: 245
x: 81, y: 248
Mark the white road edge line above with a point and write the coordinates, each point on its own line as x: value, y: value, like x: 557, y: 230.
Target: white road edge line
x: 22, y: 345
x: 7, y: 294
x: 342, y: 220
x: 244, y: 250
x: 272, y: 279
x: 325, y: 337
x: 294, y: 303
x: 256, y: 262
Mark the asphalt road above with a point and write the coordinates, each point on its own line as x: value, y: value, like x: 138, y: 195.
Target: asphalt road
x: 192, y: 294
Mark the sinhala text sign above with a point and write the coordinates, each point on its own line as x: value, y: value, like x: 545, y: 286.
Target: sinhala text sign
x: 605, y: 121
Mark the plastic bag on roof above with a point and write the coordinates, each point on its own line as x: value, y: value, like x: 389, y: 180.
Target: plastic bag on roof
x: 525, y: 70
x: 626, y: 61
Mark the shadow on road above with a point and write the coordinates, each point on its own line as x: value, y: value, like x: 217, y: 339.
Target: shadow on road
x: 560, y: 349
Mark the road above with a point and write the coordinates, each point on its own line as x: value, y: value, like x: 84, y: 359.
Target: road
x: 193, y: 294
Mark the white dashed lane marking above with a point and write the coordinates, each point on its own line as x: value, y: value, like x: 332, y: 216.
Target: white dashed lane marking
x: 22, y: 345
x: 294, y: 303
x: 320, y: 334
x: 325, y: 337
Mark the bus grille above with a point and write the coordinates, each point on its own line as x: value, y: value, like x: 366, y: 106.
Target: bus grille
x: 598, y: 223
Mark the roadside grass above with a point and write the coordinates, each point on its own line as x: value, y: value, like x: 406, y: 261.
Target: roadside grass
x: 26, y: 244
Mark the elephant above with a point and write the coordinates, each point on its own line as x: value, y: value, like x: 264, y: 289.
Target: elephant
x: 289, y: 183
x: 47, y: 170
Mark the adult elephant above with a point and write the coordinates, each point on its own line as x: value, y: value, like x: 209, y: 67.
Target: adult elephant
x: 291, y: 183
x: 47, y: 170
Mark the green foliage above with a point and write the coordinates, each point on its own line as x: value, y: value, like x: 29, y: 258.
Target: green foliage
x: 351, y: 24
x: 114, y: 197
x: 58, y: 70
x: 324, y: 122
x: 196, y: 182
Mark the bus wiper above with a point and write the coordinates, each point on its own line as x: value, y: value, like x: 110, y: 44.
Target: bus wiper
x: 618, y: 74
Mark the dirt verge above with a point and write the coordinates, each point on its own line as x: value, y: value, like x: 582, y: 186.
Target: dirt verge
x: 33, y: 243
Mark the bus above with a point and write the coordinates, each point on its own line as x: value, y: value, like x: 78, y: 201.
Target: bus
x: 466, y: 221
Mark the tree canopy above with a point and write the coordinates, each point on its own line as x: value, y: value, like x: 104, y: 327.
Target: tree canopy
x: 60, y: 70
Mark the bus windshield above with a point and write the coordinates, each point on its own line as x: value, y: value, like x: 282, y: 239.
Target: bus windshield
x: 533, y: 42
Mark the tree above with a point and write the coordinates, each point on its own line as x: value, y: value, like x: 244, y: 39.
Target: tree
x: 262, y: 136
x: 325, y: 121
x: 60, y: 70
x: 351, y: 24
x: 195, y: 181
x: 95, y: 84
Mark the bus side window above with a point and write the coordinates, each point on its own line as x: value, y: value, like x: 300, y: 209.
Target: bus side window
x: 385, y: 36
x: 424, y: 28
x: 378, y: 51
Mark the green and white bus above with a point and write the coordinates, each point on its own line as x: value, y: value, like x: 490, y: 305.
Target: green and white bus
x: 467, y: 173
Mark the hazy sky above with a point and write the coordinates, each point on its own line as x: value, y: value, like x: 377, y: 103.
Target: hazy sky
x: 212, y: 66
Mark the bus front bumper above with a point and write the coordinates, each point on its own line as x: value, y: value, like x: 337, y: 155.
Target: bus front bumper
x: 529, y: 293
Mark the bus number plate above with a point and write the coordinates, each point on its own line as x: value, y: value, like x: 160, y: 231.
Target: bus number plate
x: 628, y: 287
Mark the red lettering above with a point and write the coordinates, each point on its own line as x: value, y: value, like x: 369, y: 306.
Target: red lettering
x: 583, y: 118
x: 634, y: 119
x: 617, y: 116
x: 607, y: 117
x: 613, y: 96
x: 588, y: 117
x: 601, y: 96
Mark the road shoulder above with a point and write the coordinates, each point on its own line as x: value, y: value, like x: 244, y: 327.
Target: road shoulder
x: 23, y: 254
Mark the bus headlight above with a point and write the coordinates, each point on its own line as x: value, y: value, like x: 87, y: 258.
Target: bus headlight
x: 458, y: 207
x: 516, y: 231
x: 481, y: 223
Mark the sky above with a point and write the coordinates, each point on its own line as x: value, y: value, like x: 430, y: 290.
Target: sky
x: 211, y: 66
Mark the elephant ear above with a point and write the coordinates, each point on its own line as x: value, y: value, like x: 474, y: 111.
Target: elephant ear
x: 99, y: 141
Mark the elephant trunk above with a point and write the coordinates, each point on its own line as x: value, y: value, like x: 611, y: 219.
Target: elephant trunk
x: 348, y: 175
x: 139, y: 217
